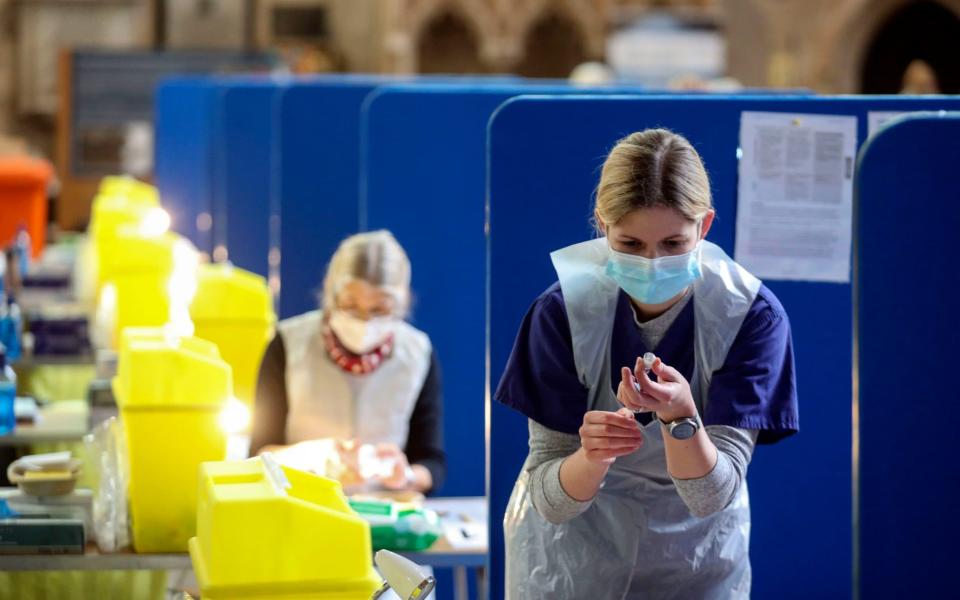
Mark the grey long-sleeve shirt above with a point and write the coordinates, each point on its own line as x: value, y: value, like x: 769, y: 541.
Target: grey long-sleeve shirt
x: 703, y: 496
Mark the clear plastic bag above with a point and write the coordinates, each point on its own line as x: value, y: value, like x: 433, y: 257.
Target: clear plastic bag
x: 111, y: 521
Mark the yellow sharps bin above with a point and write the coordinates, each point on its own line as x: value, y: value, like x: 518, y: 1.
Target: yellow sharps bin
x: 139, y: 269
x: 170, y: 392
x: 121, y: 200
x: 122, y: 206
x: 267, y: 532
x: 234, y: 309
x: 128, y: 187
x: 112, y: 207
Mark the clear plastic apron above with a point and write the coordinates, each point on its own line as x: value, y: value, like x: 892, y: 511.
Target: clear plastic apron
x: 637, y: 539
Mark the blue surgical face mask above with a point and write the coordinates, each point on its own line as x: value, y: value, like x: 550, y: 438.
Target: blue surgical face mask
x: 656, y: 280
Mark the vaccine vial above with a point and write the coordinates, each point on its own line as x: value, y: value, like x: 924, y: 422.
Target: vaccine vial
x: 648, y: 359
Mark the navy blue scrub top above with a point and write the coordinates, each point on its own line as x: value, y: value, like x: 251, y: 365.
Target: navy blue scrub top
x: 755, y: 389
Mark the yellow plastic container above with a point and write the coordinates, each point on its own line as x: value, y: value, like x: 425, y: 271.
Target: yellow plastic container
x: 139, y: 267
x: 258, y: 539
x: 170, y: 392
x: 123, y: 206
x: 128, y: 187
x: 233, y: 308
x: 121, y: 203
x: 127, y: 225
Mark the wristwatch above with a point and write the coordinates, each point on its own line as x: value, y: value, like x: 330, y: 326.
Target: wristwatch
x: 683, y: 428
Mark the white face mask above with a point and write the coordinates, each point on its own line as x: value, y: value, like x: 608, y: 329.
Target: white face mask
x: 360, y: 336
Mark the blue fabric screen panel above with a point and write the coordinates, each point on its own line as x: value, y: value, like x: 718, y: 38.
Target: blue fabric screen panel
x: 183, y: 151
x: 242, y: 209
x: 908, y: 208
x: 318, y: 183
x: 544, y: 160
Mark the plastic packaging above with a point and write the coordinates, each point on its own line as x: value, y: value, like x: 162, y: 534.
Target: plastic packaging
x: 111, y: 523
x: 75, y: 505
x: 320, y: 457
x: 395, y: 526
x: 371, y: 466
x: 8, y: 393
x: 357, y: 467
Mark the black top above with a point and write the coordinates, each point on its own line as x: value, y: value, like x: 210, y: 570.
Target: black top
x: 270, y: 413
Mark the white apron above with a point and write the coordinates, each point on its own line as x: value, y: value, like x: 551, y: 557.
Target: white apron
x: 325, y: 401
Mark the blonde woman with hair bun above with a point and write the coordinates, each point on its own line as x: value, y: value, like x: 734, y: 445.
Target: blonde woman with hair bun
x: 352, y: 390
x: 648, y: 374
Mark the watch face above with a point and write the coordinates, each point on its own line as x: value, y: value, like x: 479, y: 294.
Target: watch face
x: 684, y: 430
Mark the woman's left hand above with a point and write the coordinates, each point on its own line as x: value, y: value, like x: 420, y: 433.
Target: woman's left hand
x: 401, y: 475
x: 669, y: 396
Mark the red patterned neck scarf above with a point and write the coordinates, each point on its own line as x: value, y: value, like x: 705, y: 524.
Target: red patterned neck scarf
x: 355, y: 364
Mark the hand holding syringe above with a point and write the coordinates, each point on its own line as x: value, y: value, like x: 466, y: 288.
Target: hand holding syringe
x: 647, y: 362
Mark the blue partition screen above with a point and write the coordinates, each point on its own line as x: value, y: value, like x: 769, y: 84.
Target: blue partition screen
x: 424, y: 173
x: 319, y: 180
x: 318, y: 183
x: 245, y: 146
x: 908, y: 213
x: 544, y: 160
x: 183, y: 150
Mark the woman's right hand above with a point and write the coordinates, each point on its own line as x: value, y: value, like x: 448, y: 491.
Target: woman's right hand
x: 604, y: 435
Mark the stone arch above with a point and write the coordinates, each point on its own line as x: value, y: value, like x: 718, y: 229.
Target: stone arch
x: 447, y: 43
x: 541, y: 37
x: 923, y: 30
x: 554, y: 45
x: 590, y: 18
x: 847, y: 43
x: 478, y: 14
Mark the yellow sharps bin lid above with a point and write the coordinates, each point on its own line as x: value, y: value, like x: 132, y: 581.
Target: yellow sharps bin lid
x: 265, y: 531
x: 228, y: 293
x: 156, y: 368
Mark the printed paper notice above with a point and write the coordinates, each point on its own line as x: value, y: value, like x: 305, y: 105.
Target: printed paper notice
x: 795, y: 197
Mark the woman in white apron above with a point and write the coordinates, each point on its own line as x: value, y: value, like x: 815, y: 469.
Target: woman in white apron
x: 634, y: 486
x: 355, y: 373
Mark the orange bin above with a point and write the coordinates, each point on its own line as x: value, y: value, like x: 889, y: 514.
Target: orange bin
x: 23, y: 199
